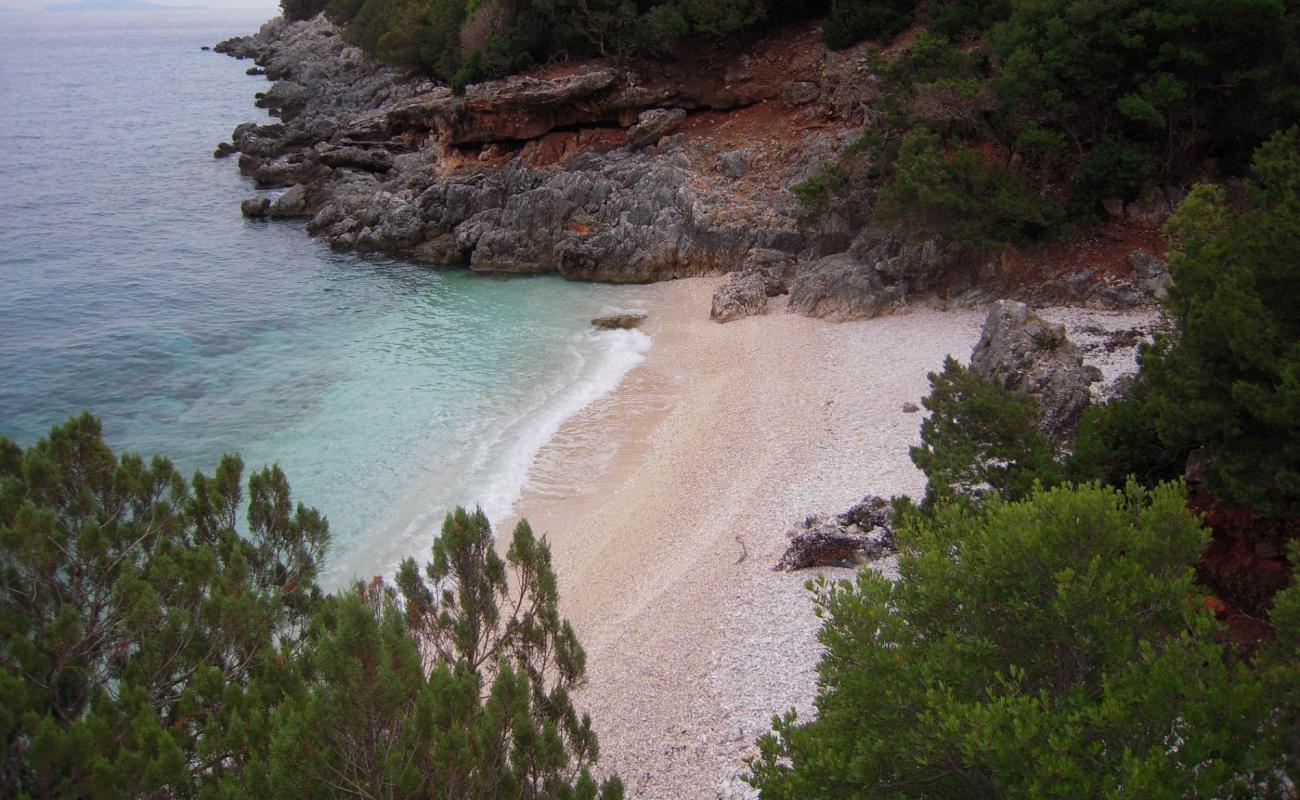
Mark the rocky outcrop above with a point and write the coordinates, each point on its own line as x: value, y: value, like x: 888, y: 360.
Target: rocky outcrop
x: 378, y: 163
x: 653, y: 125
x: 764, y: 273
x: 863, y: 533
x: 1027, y: 354
x: 1151, y: 274
x: 743, y: 295
x: 877, y: 274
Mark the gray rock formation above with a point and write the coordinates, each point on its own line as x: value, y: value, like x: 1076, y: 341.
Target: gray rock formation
x: 863, y: 533
x: 403, y: 166
x: 620, y: 322
x: 1151, y: 273
x: 734, y: 164
x: 877, y: 273
x: 743, y: 295
x: 653, y: 125
x: 1027, y: 354
x: 255, y: 207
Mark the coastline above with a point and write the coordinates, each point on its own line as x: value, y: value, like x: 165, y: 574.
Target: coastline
x: 726, y: 434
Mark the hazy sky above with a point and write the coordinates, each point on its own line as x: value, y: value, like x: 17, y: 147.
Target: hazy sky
x: 268, y: 7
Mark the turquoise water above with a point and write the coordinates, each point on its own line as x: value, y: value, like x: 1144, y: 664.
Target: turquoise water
x: 131, y: 286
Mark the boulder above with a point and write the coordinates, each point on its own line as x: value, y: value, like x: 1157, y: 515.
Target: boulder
x: 653, y: 125
x: 743, y: 295
x: 776, y: 267
x: 863, y: 533
x: 733, y: 164
x: 293, y: 203
x: 1027, y: 354
x: 255, y: 207
x: 620, y: 322
x: 843, y: 288
x: 1151, y: 273
x: 799, y: 93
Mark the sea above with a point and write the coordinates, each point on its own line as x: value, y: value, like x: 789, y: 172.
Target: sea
x: 130, y: 286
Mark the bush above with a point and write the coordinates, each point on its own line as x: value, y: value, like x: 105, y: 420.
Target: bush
x: 1051, y: 647
x: 152, y: 646
x: 979, y: 438
x: 1118, y: 441
x: 851, y: 21
x: 962, y: 196
x: 1230, y: 380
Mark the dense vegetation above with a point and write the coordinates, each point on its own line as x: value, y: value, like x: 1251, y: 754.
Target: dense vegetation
x: 151, y: 645
x: 1055, y: 646
x: 1047, y: 638
x: 1005, y: 119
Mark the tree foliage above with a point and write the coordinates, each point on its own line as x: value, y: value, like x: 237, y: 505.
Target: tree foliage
x: 455, y: 684
x: 144, y: 633
x: 151, y: 645
x: 979, y: 438
x: 1050, y: 647
x: 1229, y: 381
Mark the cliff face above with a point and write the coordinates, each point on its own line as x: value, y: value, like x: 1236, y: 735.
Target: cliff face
x: 594, y: 171
x: 627, y: 173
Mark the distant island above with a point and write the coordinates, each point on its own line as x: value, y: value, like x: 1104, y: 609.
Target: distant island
x: 118, y: 5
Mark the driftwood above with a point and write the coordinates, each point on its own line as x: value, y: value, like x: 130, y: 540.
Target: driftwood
x: 861, y: 534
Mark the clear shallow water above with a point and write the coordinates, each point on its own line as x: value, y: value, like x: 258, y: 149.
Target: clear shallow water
x: 131, y: 286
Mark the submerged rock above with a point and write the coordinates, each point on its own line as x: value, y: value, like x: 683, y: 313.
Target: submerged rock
x: 623, y: 322
x: 255, y: 207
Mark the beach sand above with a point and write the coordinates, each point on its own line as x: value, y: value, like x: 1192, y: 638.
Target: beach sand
x: 666, y: 505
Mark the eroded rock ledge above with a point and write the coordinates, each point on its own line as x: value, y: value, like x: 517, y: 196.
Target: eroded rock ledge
x: 575, y: 172
x: 606, y: 172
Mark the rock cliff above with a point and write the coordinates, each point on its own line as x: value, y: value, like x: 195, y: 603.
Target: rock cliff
x: 614, y: 172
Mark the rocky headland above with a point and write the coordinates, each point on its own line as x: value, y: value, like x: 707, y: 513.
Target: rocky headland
x: 632, y: 173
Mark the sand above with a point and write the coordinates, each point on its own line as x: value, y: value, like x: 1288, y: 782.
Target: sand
x: 667, y: 502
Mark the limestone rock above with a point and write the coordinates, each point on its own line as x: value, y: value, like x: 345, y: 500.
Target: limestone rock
x: 863, y: 533
x: 734, y: 164
x: 293, y: 203
x: 743, y: 295
x: 798, y: 93
x: 776, y: 267
x: 1151, y: 273
x: 652, y: 125
x: 843, y: 288
x: 620, y: 322
x: 255, y: 207
x: 1027, y: 354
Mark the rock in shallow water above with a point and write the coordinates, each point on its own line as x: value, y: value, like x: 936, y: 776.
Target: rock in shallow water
x: 616, y: 322
x: 255, y: 207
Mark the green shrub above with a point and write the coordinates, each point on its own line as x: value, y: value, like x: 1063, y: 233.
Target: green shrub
x: 851, y: 21
x: 1118, y: 441
x: 1229, y: 381
x: 817, y: 192
x: 962, y: 196
x: 1051, y: 647
x: 979, y: 438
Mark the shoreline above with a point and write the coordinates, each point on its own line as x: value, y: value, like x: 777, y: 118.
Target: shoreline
x: 722, y: 439
x: 727, y: 435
